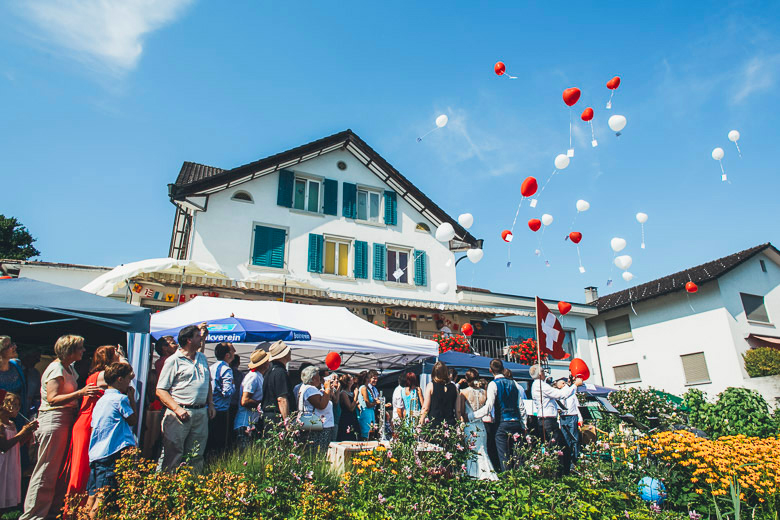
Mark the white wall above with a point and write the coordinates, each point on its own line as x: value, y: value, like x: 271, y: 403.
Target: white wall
x: 223, y: 233
x: 75, y: 278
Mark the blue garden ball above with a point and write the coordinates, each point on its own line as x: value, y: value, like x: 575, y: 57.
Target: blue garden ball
x: 652, y: 490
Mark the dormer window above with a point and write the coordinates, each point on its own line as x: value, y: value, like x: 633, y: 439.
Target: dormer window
x: 242, y: 196
x: 368, y: 202
x: 306, y: 194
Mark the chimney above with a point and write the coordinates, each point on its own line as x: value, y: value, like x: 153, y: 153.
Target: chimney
x: 591, y: 294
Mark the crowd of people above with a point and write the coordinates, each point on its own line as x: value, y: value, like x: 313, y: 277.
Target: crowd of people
x: 197, y: 411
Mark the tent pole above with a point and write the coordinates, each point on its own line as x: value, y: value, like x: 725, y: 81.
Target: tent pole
x: 181, y: 284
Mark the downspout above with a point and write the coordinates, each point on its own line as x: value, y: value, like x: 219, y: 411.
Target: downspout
x: 598, y: 355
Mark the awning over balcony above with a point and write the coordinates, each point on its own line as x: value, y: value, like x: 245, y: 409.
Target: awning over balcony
x: 764, y: 341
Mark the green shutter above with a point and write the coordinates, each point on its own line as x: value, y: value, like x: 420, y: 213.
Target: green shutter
x: 361, y: 259
x: 349, y: 200
x: 331, y: 197
x: 391, y: 208
x: 269, y: 247
x: 315, y: 253
x: 379, y: 262
x: 420, y: 268
x: 284, y: 196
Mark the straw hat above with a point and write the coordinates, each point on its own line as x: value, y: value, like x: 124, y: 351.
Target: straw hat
x: 278, y: 350
x: 258, y: 358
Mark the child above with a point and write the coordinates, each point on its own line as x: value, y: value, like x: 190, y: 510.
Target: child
x: 10, y: 465
x: 112, y: 418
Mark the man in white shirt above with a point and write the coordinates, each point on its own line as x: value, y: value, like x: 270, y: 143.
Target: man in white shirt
x: 445, y: 330
x: 504, y: 397
x: 399, y: 410
x: 546, y: 409
x: 570, y: 418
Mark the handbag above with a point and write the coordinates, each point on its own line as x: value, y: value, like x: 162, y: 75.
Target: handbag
x: 308, y: 421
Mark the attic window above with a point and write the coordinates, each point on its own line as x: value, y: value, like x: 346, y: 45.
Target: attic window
x: 242, y: 196
x: 422, y: 226
x: 763, y: 266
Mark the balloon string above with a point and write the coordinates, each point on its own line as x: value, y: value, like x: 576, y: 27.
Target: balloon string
x: 609, y: 103
x: 574, y: 220
x: 592, y: 134
x: 724, y: 177
x: 578, y: 256
x: 426, y: 135
x: 631, y: 302
x: 570, y: 111
x: 546, y: 183
x: 508, y: 76
x: 516, y: 214
x: 687, y: 294
x: 738, y: 150
x: 643, y: 234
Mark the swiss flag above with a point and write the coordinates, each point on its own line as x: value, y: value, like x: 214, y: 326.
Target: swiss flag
x: 549, y: 331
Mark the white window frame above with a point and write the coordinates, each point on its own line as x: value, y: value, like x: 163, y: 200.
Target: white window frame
x: 380, y: 211
x: 391, y: 248
x: 350, y: 252
x: 307, y: 191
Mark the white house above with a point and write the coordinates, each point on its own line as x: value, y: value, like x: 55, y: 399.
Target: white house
x: 658, y: 334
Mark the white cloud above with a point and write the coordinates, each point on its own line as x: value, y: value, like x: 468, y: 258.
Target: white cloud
x: 107, y: 32
x: 759, y: 74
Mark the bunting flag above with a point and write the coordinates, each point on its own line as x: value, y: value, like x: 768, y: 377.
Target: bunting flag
x: 549, y: 333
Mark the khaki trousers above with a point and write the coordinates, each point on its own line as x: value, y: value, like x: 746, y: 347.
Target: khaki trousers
x: 184, y: 441
x: 46, y: 491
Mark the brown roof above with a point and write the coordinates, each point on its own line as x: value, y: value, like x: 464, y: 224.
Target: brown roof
x: 675, y: 282
x: 195, y: 178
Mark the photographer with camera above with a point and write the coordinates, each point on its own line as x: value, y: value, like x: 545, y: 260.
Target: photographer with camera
x: 570, y: 417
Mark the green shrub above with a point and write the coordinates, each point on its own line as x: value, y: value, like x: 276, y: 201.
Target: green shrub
x: 762, y: 361
x: 737, y: 411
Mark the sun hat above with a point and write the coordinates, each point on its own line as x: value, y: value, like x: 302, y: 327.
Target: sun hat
x: 278, y: 350
x: 259, y: 357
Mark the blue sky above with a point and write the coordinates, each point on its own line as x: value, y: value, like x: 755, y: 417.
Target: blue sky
x: 103, y: 101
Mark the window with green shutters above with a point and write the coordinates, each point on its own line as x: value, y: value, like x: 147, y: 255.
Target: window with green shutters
x: 284, y: 196
x: 316, y: 244
x: 379, y: 262
x: 420, y: 268
x: 268, y: 250
x: 391, y: 208
x: 349, y: 200
x: 361, y: 259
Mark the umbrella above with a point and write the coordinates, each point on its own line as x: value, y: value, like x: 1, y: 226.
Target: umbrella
x: 240, y: 330
x: 106, y: 284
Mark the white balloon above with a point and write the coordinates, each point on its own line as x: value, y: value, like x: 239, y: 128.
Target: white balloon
x: 475, y: 255
x: 547, y: 219
x: 583, y: 205
x: 466, y: 220
x: 734, y: 136
x: 641, y: 218
x: 445, y: 232
x: 618, y: 244
x: 441, y: 121
x: 561, y: 161
x: 617, y: 123
x: 717, y: 154
x: 627, y: 276
x: 623, y: 262
x: 443, y: 287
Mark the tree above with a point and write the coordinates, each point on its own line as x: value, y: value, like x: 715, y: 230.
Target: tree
x: 16, y: 243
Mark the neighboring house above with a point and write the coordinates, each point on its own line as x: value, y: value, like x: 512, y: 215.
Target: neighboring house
x: 657, y: 334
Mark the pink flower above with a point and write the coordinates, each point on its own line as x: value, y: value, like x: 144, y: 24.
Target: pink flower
x: 448, y: 455
x: 382, y: 499
x: 244, y: 463
x: 516, y: 436
x: 271, y: 490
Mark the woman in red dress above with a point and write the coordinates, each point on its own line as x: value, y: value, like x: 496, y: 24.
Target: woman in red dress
x: 78, y: 456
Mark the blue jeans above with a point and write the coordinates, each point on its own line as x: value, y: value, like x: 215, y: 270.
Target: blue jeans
x: 505, y: 442
x: 571, y: 434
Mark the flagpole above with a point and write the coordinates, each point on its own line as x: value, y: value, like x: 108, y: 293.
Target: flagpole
x: 539, y: 361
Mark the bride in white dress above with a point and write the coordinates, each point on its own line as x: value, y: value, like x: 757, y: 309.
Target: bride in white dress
x: 470, y: 399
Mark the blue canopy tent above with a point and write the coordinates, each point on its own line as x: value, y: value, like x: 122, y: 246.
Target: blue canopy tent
x: 240, y: 330
x: 37, y: 313
x: 462, y: 362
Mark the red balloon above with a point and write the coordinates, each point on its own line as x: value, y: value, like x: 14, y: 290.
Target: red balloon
x: 500, y: 68
x: 691, y: 287
x: 613, y: 83
x: 575, y: 236
x: 534, y: 224
x: 564, y: 308
x: 506, y: 235
x: 571, y: 96
x: 528, y: 187
x: 333, y: 360
x: 467, y: 329
x: 587, y: 114
x: 579, y: 368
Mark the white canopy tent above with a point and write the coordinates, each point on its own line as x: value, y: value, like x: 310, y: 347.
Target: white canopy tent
x: 362, y: 345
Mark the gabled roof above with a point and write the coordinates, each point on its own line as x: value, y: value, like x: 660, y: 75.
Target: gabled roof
x: 199, y: 179
x: 675, y: 282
